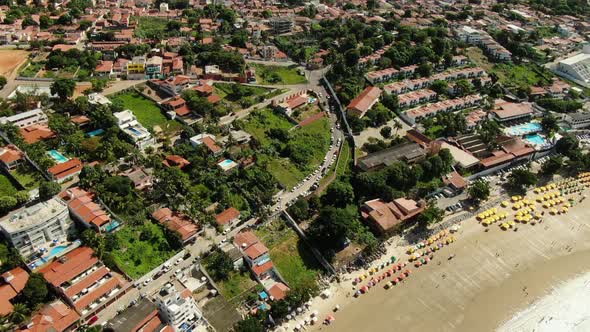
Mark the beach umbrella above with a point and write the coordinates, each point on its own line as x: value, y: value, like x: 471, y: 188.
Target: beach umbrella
x: 504, y: 226
x: 395, y: 281
x: 364, y: 289
x: 388, y: 285
x: 505, y: 203
x: 314, y: 313
x: 314, y: 320
x: 407, y: 272
x: 401, y: 277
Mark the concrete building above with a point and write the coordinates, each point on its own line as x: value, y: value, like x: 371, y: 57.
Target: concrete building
x: 280, y: 25
x: 153, y: 67
x: 128, y: 123
x: 386, y: 217
x: 177, y: 307
x: 136, y: 68
x: 26, y: 119
x: 36, y: 227
x: 362, y: 103
x: 10, y: 157
x: 578, y: 120
x: 576, y: 68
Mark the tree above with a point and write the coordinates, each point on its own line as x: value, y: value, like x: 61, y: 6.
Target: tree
x: 93, y: 240
x: 463, y: 87
x: 479, y: 190
x: 219, y: 265
x: 249, y: 324
x: 7, y: 203
x: 35, y: 291
x: 339, y: 194
x: 431, y: 215
x: 332, y: 227
x: 519, y: 179
x: 19, y: 313
x: 385, y: 132
x: 3, y: 82
x: 425, y: 69
x: 488, y: 131
x: 439, y: 86
x: 568, y: 146
x: 299, y: 210
x: 552, y: 165
x: 549, y: 124
x: 63, y: 88
x: 48, y: 189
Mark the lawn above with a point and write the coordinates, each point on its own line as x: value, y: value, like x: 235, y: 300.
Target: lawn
x: 344, y: 160
x: 259, y: 122
x: 6, y: 187
x: 147, y: 112
x: 141, y: 249
x: 31, y: 69
x: 150, y: 26
x: 282, y: 169
x: 290, y: 256
x: 518, y: 75
x: 317, y: 136
x: 224, y: 90
x: 236, y: 284
x: 278, y: 75
x: 27, y: 177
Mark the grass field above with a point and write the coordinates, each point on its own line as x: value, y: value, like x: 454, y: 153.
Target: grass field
x: 27, y: 177
x: 283, y: 170
x: 285, y: 75
x: 290, y: 256
x: 237, y: 284
x: 150, y: 26
x: 146, y: 111
x: 6, y: 187
x: 316, y: 135
x: 141, y: 249
x: 259, y: 122
x: 31, y: 69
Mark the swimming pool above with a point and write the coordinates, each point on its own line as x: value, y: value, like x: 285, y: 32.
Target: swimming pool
x: 523, y: 129
x: 535, y: 139
x: 60, y: 158
x: 53, y: 252
x: 96, y: 132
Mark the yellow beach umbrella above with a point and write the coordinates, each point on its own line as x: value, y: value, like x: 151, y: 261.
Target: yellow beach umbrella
x: 553, y: 211
x: 504, y: 226
x: 505, y: 203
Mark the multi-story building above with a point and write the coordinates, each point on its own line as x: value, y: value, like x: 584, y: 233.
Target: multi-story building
x: 578, y: 120
x: 153, y: 67
x: 280, y: 25
x: 136, y: 68
x: 26, y: 119
x: 34, y: 228
x: 177, y: 307
x: 83, y: 280
x: 576, y: 68
x: 128, y: 123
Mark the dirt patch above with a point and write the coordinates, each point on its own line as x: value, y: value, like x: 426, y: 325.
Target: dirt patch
x: 81, y: 87
x: 10, y: 62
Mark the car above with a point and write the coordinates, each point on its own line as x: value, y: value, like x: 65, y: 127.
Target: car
x: 147, y: 281
x: 158, y: 274
x: 224, y: 240
x: 92, y: 320
x: 178, y: 261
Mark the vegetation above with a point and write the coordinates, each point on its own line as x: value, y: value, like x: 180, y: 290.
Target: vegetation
x: 218, y: 265
x: 479, y: 190
x: 278, y: 75
x: 146, y: 111
x: 520, y: 179
x: 48, y: 189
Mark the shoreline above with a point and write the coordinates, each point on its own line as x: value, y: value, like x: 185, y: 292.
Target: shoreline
x: 479, y: 290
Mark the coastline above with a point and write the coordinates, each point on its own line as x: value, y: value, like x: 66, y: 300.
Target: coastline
x: 494, y: 276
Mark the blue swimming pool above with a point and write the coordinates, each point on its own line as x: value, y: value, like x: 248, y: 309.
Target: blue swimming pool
x: 523, y: 129
x: 226, y: 163
x: 135, y: 131
x: 60, y: 158
x: 96, y: 132
x: 53, y: 252
x: 535, y: 139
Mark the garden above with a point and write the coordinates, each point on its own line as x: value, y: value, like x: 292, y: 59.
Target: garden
x: 147, y: 112
x: 6, y: 186
x: 278, y: 75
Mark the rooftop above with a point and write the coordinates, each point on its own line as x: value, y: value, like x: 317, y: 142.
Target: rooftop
x: 34, y: 215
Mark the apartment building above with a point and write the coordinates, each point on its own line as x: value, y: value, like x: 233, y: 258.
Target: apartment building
x: 25, y: 119
x: 128, y: 123
x: 83, y: 280
x: 31, y: 229
x: 177, y: 307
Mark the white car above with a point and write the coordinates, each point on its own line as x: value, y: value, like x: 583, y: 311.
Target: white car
x: 147, y: 281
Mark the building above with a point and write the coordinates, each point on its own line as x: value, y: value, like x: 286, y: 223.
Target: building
x: 142, y: 317
x: 11, y: 284
x: 53, y: 317
x: 228, y: 218
x: 136, y: 68
x: 142, y: 178
x: 177, y: 222
x: 174, y: 160
x: 36, y: 227
x: 576, y: 68
x: 128, y: 123
x: 574, y: 120
x: 409, y: 152
x: 172, y: 86
x: 83, y: 280
x: 386, y: 217
x: 153, y: 67
x: 208, y: 141
x: 37, y: 132
x: 506, y: 111
x: 280, y: 25
x: 66, y: 171
x: 177, y: 307
x: 414, y: 115
x: 26, y: 119
x: 484, y: 40
x: 85, y: 209
x: 380, y: 76
x: 11, y: 157
x: 364, y: 101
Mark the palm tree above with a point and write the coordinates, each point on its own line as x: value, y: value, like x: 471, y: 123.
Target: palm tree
x: 19, y: 313
x: 397, y: 126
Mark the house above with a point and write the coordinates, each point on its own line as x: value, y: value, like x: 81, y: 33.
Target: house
x: 174, y: 160
x: 142, y: 178
x: 11, y: 284
x: 177, y: 105
x: 208, y: 141
x: 455, y: 181
x: 364, y: 101
x: 141, y: 317
x: 84, y: 208
x: 66, y: 171
x: 386, y: 217
x: 83, y: 281
x: 172, y: 86
x: 177, y: 222
x: 55, y: 317
x: 36, y: 133
x: 506, y: 111
x: 128, y: 123
x: 255, y: 254
x: 136, y: 68
x: 278, y: 291
x: 11, y: 157
x: 153, y: 67
x: 228, y: 218
x: 293, y: 102
x: 409, y: 152
x: 80, y: 120
x: 383, y: 75
x: 104, y: 69
x: 26, y: 119
x: 36, y: 227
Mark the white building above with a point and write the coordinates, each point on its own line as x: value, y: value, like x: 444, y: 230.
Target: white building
x: 26, y: 119
x: 177, y: 307
x: 36, y: 227
x: 98, y: 99
x: 128, y: 123
x: 576, y: 68
x: 578, y: 120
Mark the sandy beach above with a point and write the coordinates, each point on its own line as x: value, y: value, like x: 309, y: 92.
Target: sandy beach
x: 494, y: 276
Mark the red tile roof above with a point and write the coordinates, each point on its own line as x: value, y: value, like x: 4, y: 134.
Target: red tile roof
x: 245, y: 239
x: 104, y: 67
x: 260, y: 269
x: 256, y: 250
x: 80, y: 119
x: 97, y: 293
x: 36, y: 133
x: 55, y: 316
x: 69, y: 266
x: 10, y: 153
x: 364, y: 101
x: 175, y: 160
x: 211, y: 145
x: 15, y: 280
x: 177, y: 222
x: 296, y: 101
x: 213, y: 99
x: 278, y: 291
x: 227, y: 216
x: 67, y: 168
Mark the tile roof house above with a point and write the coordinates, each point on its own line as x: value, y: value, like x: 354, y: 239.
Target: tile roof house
x: 83, y: 280
x: 66, y: 170
x: 11, y: 284
x: 11, y: 157
x: 228, y: 218
x: 37, y: 132
x: 208, y: 141
x: 177, y: 222
x: 364, y: 101
x: 175, y: 161
x: 142, y: 178
x: 278, y: 291
x: 85, y: 209
x: 53, y: 317
x: 386, y: 217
